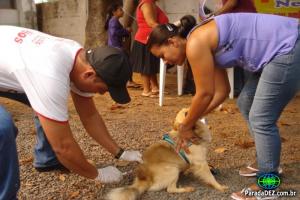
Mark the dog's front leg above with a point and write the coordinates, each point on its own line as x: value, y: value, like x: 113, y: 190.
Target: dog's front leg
x: 203, y: 172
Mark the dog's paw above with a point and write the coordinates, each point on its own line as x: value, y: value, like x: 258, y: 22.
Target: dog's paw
x: 180, y: 189
x: 223, y: 188
x: 189, y: 189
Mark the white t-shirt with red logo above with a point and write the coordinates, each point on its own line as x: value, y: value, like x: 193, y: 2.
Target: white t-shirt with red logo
x: 39, y: 65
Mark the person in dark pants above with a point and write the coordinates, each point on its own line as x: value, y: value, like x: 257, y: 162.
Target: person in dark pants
x: 189, y: 85
x: 43, y: 71
x: 44, y: 157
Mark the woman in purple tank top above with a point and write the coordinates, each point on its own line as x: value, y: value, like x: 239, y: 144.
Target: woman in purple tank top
x: 255, y: 42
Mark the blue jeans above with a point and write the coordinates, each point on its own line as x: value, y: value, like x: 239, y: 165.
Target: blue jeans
x: 9, y: 164
x: 262, y: 101
x: 44, y: 155
x: 245, y: 98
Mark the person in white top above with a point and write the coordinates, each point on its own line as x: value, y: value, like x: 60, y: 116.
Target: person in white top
x: 45, y: 70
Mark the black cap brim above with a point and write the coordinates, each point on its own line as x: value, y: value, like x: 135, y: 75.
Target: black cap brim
x: 119, y: 94
x: 112, y: 66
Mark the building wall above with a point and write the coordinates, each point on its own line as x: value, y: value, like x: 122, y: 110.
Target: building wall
x: 24, y: 14
x: 65, y: 18
x: 9, y: 17
x: 176, y: 9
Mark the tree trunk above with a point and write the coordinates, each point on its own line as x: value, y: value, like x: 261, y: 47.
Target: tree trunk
x: 129, y: 9
x: 95, y: 34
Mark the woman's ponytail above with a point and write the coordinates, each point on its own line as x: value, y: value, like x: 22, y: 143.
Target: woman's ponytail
x: 161, y: 33
x: 112, y: 8
x: 108, y: 17
x: 187, y: 23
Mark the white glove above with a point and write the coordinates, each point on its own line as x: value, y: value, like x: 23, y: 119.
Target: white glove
x: 109, y: 174
x: 132, y: 156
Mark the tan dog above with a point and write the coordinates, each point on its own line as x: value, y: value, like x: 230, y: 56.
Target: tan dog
x: 162, y: 166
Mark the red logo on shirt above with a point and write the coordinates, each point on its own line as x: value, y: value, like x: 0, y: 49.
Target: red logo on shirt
x: 21, y: 35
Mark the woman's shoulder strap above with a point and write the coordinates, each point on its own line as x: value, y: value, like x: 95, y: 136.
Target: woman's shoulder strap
x: 200, y: 24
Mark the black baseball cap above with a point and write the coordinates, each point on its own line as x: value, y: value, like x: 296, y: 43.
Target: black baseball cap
x: 113, y: 67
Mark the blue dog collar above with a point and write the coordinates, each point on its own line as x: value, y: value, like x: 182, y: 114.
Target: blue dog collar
x: 167, y: 138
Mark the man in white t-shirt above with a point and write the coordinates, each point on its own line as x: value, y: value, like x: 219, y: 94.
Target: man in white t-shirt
x: 44, y: 69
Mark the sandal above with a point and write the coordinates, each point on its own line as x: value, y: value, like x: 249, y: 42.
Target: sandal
x: 117, y: 106
x: 245, y: 194
x: 251, y: 170
x: 149, y: 94
x: 132, y: 85
x: 155, y: 92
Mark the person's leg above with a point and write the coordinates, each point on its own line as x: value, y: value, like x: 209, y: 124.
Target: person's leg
x: 244, y: 102
x: 278, y: 84
x: 239, y: 80
x: 130, y: 82
x: 20, y: 97
x: 9, y: 164
x: 246, y: 96
x: 45, y: 158
x: 146, y: 84
x: 189, y: 86
x: 154, y: 84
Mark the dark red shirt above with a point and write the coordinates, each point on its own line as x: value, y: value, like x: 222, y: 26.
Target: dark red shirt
x: 243, y: 6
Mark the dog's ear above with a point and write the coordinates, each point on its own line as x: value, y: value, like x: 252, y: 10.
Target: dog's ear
x: 202, y: 131
x: 180, y: 118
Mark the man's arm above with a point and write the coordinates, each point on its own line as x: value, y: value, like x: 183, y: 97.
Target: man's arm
x: 93, y: 123
x: 65, y: 147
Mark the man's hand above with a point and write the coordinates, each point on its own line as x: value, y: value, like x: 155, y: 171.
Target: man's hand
x: 109, y: 174
x: 132, y: 156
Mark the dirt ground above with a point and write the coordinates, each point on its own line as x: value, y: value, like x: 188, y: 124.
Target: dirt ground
x: 142, y: 123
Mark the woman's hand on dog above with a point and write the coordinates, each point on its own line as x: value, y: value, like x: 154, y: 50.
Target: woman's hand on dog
x: 185, y: 135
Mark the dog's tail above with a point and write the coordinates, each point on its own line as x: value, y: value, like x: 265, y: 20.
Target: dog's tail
x: 141, y: 183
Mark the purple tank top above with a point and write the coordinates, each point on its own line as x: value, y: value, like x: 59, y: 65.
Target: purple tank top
x: 251, y: 40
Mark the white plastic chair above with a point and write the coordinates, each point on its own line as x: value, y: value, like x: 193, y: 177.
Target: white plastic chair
x: 180, y: 72
x: 162, y: 77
